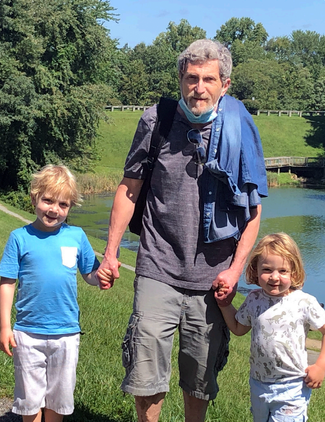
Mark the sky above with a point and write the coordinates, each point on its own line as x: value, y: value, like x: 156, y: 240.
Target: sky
x: 144, y: 20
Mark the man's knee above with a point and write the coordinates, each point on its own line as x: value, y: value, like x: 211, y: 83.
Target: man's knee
x: 148, y: 407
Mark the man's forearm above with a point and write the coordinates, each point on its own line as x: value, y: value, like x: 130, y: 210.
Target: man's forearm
x: 123, y: 207
x: 247, y: 241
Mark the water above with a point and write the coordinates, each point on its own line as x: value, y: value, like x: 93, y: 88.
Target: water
x: 298, y: 212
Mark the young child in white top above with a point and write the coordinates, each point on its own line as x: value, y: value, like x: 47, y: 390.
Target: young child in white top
x: 280, y: 315
x: 45, y: 256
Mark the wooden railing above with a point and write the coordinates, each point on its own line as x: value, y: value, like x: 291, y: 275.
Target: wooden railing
x: 258, y: 112
x: 291, y: 112
x: 276, y: 162
x: 126, y: 107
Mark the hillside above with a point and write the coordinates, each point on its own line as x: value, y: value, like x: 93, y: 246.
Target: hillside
x: 291, y: 136
x: 281, y: 136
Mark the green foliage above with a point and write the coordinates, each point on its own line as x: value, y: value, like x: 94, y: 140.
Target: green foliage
x: 19, y: 200
x: 51, y: 96
x: 259, y: 80
x: 280, y: 73
x: 149, y: 72
x: 59, y: 68
x: 243, y: 30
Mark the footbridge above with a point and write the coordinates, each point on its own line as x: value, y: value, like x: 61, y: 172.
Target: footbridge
x: 301, y: 166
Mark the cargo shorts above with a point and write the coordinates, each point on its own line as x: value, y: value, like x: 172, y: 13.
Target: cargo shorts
x: 158, y: 310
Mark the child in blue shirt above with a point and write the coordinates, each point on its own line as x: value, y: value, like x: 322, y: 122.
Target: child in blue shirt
x: 44, y: 257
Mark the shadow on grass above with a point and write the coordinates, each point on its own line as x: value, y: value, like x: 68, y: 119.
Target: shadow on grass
x: 82, y: 414
x: 79, y: 415
x: 11, y: 417
x: 315, y: 137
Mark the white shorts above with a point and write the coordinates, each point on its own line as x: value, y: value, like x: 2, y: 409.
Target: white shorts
x: 45, y: 372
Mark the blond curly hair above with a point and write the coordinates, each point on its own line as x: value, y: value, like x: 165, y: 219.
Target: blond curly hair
x: 278, y: 244
x: 56, y: 180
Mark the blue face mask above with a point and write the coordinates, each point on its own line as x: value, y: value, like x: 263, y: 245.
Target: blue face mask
x: 203, y: 118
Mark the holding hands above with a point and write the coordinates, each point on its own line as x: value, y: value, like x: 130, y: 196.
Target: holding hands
x: 225, y: 286
x: 107, y: 273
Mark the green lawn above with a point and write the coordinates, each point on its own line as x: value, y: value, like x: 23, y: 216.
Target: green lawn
x: 281, y: 136
x: 289, y: 136
x: 104, y: 316
x: 114, y: 140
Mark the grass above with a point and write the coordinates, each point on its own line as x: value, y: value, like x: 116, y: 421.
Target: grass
x: 288, y: 136
x: 281, y: 136
x: 104, y: 317
x: 114, y: 140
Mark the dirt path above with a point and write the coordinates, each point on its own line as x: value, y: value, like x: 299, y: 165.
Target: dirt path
x: 4, y: 209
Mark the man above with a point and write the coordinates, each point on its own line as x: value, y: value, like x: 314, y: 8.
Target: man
x: 201, y: 220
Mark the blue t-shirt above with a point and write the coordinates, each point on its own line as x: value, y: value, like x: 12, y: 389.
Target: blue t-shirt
x: 45, y: 264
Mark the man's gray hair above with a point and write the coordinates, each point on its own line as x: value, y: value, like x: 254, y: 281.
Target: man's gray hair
x: 204, y: 50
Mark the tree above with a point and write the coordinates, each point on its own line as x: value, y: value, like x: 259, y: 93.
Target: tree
x: 244, y: 38
x: 319, y: 94
x: 258, y: 82
x: 305, y: 48
x: 249, y: 50
x: 243, y: 29
x: 279, y: 48
x: 159, y: 75
x: 51, y: 94
x: 180, y: 36
x: 133, y: 80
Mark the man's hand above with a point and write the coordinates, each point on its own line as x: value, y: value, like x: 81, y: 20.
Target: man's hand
x: 225, y: 286
x: 108, y: 272
x: 6, y: 340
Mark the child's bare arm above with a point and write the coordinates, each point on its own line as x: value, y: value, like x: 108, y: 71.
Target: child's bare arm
x: 315, y: 373
x: 103, y: 274
x: 7, y: 291
x: 234, y: 326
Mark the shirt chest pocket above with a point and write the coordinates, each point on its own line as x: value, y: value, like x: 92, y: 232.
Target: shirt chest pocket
x: 69, y: 256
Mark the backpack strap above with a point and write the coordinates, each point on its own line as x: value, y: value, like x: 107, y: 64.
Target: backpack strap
x: 165, y: 116
x: 166, y: 110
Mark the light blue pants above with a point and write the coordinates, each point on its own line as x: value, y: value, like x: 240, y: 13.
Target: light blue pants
x: 279, y: 402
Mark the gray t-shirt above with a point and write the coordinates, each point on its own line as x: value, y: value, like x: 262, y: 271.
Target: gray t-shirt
x: 171, y: 244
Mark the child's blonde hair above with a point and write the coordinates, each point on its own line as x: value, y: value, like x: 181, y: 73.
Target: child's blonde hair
x: 56, y: 180
x: 278, y: 244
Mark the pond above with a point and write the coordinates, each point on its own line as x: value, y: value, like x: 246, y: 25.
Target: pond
x: 296, y: 211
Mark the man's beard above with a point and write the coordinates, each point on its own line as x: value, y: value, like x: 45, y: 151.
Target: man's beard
x: 198, y: 111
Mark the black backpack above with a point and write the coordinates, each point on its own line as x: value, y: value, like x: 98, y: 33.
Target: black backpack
x: 165, y: 115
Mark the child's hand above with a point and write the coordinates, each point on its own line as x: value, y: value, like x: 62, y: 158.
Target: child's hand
x: 223, y: 288
x: 315, y: 376
x: 6, y: 340
x: 222, y: 293
x: 105, y: 278
x: 105, y: 275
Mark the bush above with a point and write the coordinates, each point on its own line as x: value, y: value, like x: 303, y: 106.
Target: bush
x: 19, y: 199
